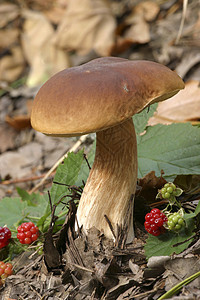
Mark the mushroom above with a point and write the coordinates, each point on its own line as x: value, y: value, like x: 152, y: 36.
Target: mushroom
x: 102, y: 96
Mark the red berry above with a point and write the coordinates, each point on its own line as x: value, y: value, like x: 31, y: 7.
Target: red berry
x: 159, y: 222
x: 20, y: 229
x: 21, y: 236
x: 34, y: 237
x: 34, y: 229
x: 1, y: 271
x: 154, y: 222
x: 5, y: 235
x: 2, y: 244
x: 155, y: 211
x: 27, y: 240
x: 9, y: 265
x: 27, y: 233
x: 148, y: 216
x: 154, y: 227
x: 6, y: 269
x: 156, y: 232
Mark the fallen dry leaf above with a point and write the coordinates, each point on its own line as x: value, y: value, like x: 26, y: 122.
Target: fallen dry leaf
x: 8, y: 13
x: 189, y: 61
x: 8, y: 37
x: 87, y: 25
x: 19, y: 122
x: 43, y: 56
x: 16, y: 164
x: 179, y: 269
x: 139, y: 30
x: 12, y: 64
x: 151, y: 181
x: 149, y: 185
x: 8, y: 136
x: 56, y: 12
x: 183, y: 107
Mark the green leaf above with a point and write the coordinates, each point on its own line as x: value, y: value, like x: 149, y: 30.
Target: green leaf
x: 67, y: 173
x: 197, y: 210
x: 189, y: 216
x: 140, y: 120
x: 163, y: 245
x: 25, y: 196
x: 37, y: 203
x: 12, y: 210
x: 174, y: 148
x: 193, y: 214
x: 39, y: 207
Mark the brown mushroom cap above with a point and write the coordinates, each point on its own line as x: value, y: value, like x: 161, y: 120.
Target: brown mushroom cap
x: 100, y: 94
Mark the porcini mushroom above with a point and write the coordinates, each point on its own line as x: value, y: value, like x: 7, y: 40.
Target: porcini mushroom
x: 102, y: 96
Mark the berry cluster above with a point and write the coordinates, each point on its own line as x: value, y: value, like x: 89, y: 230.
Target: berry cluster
x: 154, y: 222
x: 6, y: 269
x: 5, y: 235
x: 168, y: 191
x: 27, y: 233
x: 175, y: 222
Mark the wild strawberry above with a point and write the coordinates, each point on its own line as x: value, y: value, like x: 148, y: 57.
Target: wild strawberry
x: 154, y: 222
x: 27, y: 233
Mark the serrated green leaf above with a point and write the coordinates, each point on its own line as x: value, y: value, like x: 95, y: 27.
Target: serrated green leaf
x: 174, y: 148
x: 12, y: 210
x: 164, y: 244
x: 66, y: 173
x: 140, y: 120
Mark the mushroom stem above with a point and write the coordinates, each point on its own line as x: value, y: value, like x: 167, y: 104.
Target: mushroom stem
x: 111, y: 182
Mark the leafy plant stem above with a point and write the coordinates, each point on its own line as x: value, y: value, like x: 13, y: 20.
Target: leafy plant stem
x: 33, y: 218
x: 177, y: 287
x: 7, y: 259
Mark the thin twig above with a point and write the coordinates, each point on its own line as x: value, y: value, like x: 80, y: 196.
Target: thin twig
x: 110, y: 226
x: 81, y: 267
x: 19, y: 180
x: 185, y: 4
x: 85, y: 157
x: 50, y: 202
